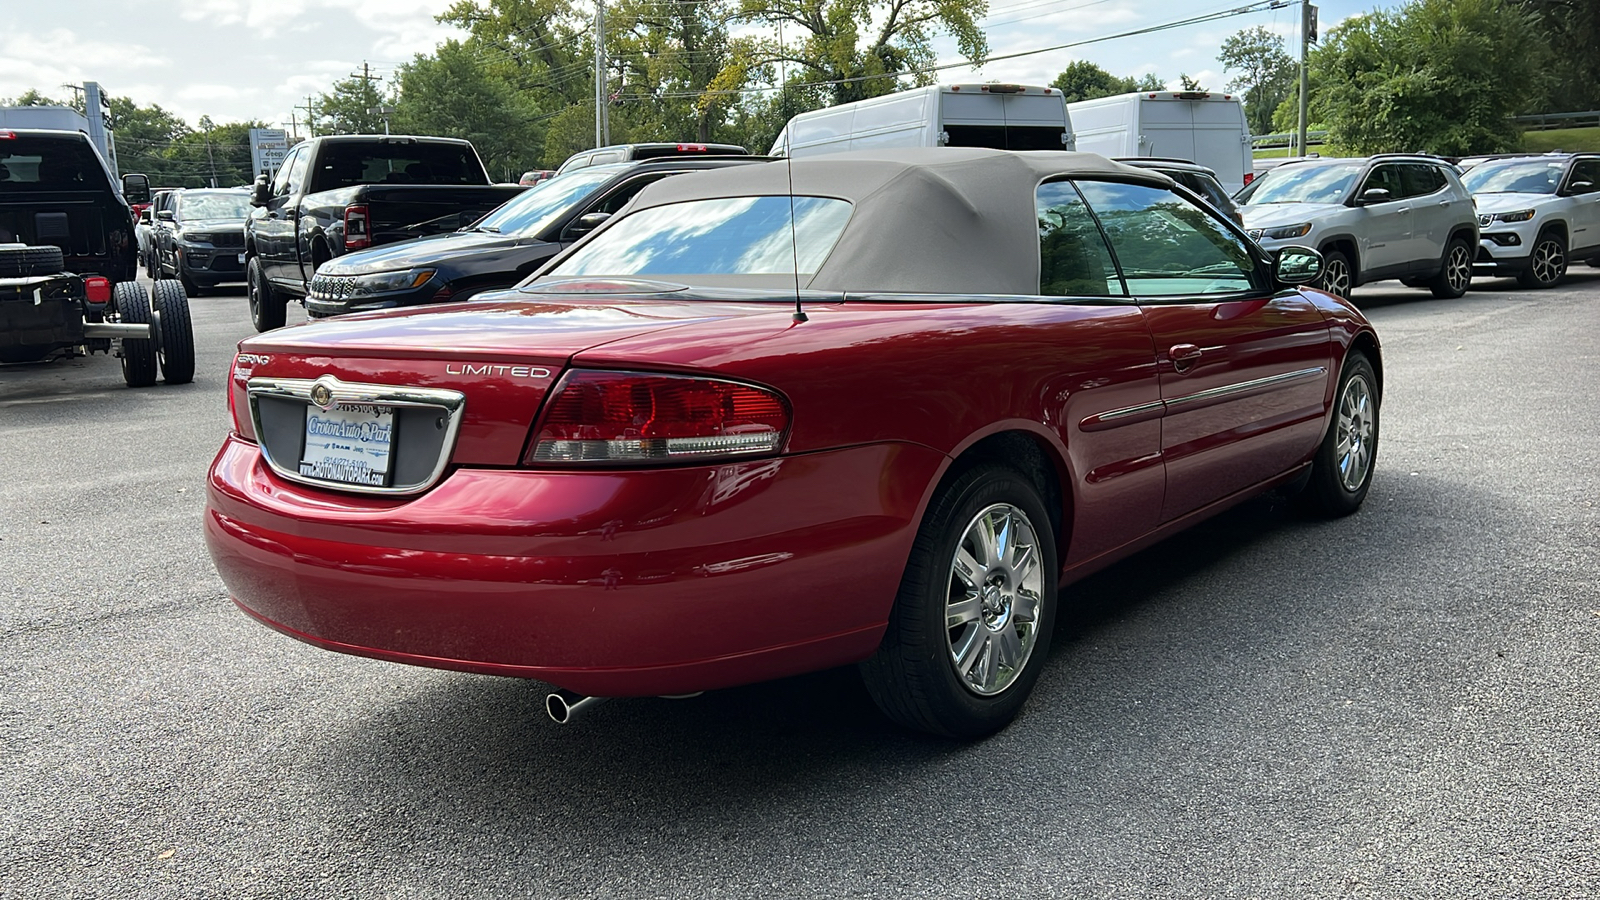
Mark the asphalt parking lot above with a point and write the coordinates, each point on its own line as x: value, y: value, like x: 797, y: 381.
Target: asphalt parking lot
x: 1402, y: 703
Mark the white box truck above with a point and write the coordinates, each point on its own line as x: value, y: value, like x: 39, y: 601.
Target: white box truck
x: 1001, y: 116
x: 1200, y: 126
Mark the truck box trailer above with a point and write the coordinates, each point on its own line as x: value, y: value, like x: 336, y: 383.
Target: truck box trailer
x: 999, y: 116
x: 1202, y: 126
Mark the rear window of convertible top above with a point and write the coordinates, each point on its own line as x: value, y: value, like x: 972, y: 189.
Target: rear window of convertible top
x: 724, y: 236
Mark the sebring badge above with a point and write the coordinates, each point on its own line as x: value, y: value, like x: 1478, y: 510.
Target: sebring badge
x: 492, y: 369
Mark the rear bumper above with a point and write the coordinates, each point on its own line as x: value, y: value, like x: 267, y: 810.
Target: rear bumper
x: 620, y: 583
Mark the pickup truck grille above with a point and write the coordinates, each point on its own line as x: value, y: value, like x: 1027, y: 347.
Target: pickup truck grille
x: 332, y: 287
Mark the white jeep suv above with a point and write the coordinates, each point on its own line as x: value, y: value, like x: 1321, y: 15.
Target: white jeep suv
x: 1536, y: 213
x: 1389, y: 216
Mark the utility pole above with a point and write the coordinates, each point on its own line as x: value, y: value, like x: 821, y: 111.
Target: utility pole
x: 211, y: 159
x: 311, y: 117
x: 602, y: 114
x: 1308, y: 33
x: 367, y: 78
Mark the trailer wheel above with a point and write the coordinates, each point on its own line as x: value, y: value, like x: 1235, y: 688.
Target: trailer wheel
x: 138, y: 354
x: 177, y: 333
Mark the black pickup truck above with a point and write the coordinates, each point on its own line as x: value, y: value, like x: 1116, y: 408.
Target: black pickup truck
x: 349, y: 192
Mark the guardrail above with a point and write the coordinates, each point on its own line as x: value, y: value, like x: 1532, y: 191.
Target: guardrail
x: 1271, y: 141
x: 1549, y: 121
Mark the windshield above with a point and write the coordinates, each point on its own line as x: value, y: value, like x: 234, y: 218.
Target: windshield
x: 214, y: 206
x: 1522, y: 176
x: 1301, y: 184
x: 726, y: 236
x: 535, y: 210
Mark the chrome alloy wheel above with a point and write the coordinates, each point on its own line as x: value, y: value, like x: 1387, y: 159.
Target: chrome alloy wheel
x: 1336, y: 277
x: 992, y: 609
x: 1549, y: 261
x: 1458, y: 269
x: 1357, y: 418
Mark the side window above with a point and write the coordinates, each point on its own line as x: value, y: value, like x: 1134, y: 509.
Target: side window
x: 1420, y: 179
x: 1166, y: 245
x: 1585, y: 170
x: 620, y: 197
x: 608, y: 157
x: 1073, y: 259
x: 297, y: 171
x: 1387, y: 178
x: 280, y: 183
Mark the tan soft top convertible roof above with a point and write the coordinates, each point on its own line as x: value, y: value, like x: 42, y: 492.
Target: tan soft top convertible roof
x: 926, y: 220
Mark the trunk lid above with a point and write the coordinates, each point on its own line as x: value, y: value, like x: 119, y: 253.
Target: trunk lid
x: 502, y: 355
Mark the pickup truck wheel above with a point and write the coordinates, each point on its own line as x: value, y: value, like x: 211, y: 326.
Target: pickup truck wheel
x: 22, y: 261
x: 970, y: 629
x: 138, y: 354
x: 1455, y: 271
x: 267, y: 309
x: 177, y: 333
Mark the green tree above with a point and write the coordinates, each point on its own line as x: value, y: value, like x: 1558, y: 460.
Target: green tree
x: 344, y: 109
x: 452, y: 94
x: 146, y: 136
x: 1267, y: 74
x: 1571, y: 29
x: 1150, y: 82
x: 1432, y: 75
x: 1083, y: 80
x: 668, y: 56
x: 861, y: 48
x: 1189, y: 84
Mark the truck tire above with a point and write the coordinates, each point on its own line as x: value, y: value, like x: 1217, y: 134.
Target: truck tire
x: 21, y: 261
x: 177, y: 333
x: 268, y: 310
x: 138, y: 354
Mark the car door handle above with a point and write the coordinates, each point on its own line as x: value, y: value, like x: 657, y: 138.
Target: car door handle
x: 1444, y: 203
x: 1183, y: 355
x: 1403, y: 209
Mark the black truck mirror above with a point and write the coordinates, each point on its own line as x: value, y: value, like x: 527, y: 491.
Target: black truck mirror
x: 136, y: 188
x: 261, y: 192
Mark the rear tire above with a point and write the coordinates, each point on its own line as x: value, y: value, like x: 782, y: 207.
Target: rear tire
x: 138, y: 354
x: 1455, y: 271
x: 1547, y: 262
x: 177, y: 333
x: 1338, y: 276
x: 985, y: 560
x: 267, y: 309
x: 1341, y: 472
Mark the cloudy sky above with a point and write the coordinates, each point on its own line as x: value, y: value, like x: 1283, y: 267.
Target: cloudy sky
x: 257, y: 59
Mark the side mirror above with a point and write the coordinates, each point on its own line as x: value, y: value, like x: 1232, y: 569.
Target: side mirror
x: 1297, y: 265
x: 1373, y: 195
x: 586, y: 223
x: 261, y: 192
x: 1581, y: 187
x: 136, y: 188
x: 165, y: 215
x: 144, y: 216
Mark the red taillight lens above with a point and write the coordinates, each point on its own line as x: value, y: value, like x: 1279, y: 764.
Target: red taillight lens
x: 97, y: 289
x: 1249, y: 177
x: 357, y: 235
x: 238, y: 402
x: 627, y: 417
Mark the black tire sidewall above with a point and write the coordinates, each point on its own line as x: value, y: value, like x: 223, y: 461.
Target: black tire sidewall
x: 916, y: 625
x: 1328, y: 256
x: 1441, y: 283
x: 1325, y: 493
x: 1529, y: 279
x: 138, y: 354
x: 267, y: 311
x: 177, y: 333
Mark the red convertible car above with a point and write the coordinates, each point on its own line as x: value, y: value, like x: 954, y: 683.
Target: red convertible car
x: 864, y: 408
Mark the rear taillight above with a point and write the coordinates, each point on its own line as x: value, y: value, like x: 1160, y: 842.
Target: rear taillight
x: 628, y: 417
x: 238, y: 392
x: 1249, y: 177
x: 357, y: 233
x: 97, y: 289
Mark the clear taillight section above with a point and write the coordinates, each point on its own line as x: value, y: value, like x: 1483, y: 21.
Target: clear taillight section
x: 630, y: 417
x: 238, y: 402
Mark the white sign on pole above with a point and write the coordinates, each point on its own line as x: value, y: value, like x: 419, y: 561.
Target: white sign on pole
x: 268, y: 147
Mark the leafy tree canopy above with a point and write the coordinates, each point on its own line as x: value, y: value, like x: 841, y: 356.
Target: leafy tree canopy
x: 1267, y: 73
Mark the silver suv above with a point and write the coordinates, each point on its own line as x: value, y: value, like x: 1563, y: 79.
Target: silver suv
x: 1388, y: 216
x: 1536, y: 213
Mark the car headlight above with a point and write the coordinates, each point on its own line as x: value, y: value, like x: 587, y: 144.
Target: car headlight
x: 1521, y: 215
x: 1289, y: 231
x: 198, y: 237
x: 384, y: 282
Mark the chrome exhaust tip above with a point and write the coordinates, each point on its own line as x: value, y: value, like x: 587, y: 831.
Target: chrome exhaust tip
x: 562, y: 706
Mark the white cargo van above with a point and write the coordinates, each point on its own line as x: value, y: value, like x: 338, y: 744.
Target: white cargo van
x: 1000, y: 116
x: 1202, y: 126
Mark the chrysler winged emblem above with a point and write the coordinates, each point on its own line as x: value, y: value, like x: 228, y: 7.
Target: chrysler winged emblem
x: 322, y: 396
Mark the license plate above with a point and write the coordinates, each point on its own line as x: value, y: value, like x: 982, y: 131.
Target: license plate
x: 349, y: 443
x: 241, y: 259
